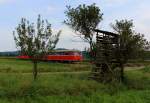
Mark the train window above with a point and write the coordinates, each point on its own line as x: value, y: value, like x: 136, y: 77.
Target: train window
x: 68, y: 53
x: 65, y: 53
x: 60, y: 53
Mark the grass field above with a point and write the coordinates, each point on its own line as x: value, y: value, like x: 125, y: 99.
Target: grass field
x: 68, y: 83
x: 10, y: 65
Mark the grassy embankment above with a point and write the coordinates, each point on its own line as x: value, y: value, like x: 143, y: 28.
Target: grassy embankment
x: 55, y: 85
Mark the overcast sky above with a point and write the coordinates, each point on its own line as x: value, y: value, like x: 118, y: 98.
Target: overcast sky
x: 11, y: 11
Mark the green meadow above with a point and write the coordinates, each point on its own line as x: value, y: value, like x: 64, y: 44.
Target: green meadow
x: 68, y: 83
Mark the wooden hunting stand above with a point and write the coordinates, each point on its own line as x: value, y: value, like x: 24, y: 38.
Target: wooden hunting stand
x: 107, y: 55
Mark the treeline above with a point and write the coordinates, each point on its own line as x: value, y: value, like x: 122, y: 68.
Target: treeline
x: 9, y: 53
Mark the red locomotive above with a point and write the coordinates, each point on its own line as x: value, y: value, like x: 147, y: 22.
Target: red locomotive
x: 60, y: 56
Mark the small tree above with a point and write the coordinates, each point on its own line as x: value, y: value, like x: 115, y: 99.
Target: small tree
x: 131, y: 44
x: 83, y: 20
x: 35, y: 42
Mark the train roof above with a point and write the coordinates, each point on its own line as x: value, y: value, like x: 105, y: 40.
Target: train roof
x: 65, y: 51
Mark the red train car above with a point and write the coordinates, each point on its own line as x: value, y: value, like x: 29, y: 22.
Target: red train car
x: 60, y: 56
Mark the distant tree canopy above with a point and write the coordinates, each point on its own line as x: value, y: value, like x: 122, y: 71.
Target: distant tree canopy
x: 35, y: 42
x: 83, y: 19
x: 131, y: 43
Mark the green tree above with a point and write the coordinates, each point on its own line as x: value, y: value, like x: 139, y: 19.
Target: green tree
x: 35, y: 42
x: 131, y: 44
x: 83, y: 19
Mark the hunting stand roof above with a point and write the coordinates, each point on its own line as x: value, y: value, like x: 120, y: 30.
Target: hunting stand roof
x: 105, y: 32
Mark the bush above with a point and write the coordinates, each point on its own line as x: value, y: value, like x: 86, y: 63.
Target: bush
x: 146, y: 69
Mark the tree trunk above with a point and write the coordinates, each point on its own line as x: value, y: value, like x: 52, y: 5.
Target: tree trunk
x: 91, y: 52
x: 34, y: 70
x: 122, y: 72
x: 91, y: 44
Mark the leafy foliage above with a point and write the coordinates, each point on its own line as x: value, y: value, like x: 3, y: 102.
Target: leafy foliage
x: 146, y: 69
x: 35, y: 42
x: 131, y: 43
x: 83, y: 20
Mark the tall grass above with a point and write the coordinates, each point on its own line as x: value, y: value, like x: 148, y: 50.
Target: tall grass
x: 72, y: 88
x: 19, y: 87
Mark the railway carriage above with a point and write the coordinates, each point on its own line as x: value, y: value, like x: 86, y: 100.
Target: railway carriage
x: 60, y: 56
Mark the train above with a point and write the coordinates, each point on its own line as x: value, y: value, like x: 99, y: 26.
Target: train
x: 60, y: 56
